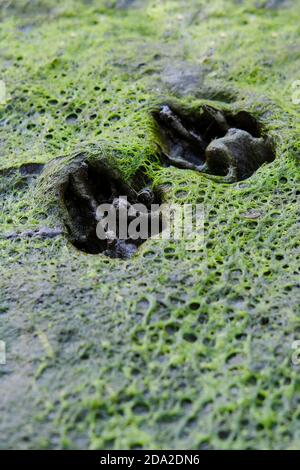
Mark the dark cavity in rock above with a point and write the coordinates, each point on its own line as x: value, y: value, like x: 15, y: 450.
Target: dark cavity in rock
x: 88, y: 186
x: 226, y: 147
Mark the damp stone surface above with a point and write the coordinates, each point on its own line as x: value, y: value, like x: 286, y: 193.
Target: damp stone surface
x: 227, y: 148
x: 171, y: 348
x: 91, y: 186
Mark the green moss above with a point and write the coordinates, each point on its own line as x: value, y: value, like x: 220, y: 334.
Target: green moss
x: 173, y: 349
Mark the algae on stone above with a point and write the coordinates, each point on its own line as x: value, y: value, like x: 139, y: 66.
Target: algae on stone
x: 171, y: 349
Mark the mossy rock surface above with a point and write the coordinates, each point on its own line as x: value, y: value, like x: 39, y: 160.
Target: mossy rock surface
x: 172, y: 348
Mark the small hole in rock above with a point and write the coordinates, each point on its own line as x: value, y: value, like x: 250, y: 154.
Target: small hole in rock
x: 71, y: 118
x: 190, y: 337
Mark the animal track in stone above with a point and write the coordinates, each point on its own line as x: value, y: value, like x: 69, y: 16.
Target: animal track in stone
x: 88, y: 186
x: 226, y: 147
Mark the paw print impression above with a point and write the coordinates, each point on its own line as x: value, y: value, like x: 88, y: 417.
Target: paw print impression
x: 226, y: 147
